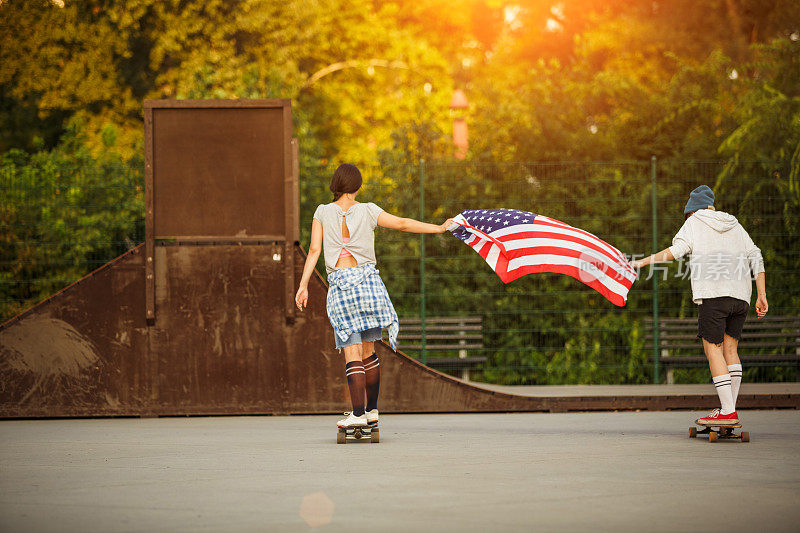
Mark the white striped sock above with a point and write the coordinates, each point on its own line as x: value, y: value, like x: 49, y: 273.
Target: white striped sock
x: 736, y: 381
x: 723, y: 386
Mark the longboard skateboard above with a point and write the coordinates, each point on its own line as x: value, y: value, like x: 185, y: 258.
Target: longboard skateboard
x: 368, y: 432
x: 723, y: 432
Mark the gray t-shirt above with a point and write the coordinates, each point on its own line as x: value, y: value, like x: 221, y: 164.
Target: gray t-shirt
x: 362, y: 219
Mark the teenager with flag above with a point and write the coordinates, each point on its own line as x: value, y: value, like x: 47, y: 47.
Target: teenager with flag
x: 723, y: 262
x: 358, y: 304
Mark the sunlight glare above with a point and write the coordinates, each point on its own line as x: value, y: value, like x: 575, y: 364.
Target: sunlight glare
x: 553, y: 25
x: 511, y: 15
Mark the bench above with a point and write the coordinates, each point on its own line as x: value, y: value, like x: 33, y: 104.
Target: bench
x: 779, y: 336
x: 445, y: 334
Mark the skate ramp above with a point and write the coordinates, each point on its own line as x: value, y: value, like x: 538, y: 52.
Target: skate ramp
x: 219, y: 344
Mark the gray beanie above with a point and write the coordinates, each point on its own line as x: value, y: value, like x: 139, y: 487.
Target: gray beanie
x: 700, y: 198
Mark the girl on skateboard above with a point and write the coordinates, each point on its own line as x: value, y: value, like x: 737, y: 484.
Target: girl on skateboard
x: 358, y: 304
x: 724, y: 260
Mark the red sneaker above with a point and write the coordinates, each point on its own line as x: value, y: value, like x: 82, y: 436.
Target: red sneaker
x: 717, y: 418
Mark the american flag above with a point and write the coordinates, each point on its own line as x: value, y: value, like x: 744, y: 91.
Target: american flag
x: 515, y: 243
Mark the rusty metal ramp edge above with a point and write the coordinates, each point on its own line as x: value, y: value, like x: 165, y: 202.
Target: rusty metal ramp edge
x: 223, y: 343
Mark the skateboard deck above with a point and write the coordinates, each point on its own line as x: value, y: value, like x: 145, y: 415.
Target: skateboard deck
x: 722, y: 432
x: 359, y: 433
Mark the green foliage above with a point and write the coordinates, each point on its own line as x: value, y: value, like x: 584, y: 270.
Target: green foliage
x: 65, y: 213
x: 768, y: 128
x: 99, y: 59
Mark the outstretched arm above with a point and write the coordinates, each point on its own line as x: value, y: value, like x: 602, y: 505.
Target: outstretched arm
x: 301, y: 298
x: 664, y: 256
x: 385, y: 220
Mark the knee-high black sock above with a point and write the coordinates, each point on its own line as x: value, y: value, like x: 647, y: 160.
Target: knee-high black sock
x: 356, y: 383
x: 373, y: 380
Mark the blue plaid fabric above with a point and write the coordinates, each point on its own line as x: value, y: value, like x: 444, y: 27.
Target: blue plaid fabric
x: 357, y: 301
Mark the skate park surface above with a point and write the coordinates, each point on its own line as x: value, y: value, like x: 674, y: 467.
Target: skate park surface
x: 609, y: 471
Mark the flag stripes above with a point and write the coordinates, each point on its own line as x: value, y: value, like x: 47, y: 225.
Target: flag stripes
x: 517, y: 243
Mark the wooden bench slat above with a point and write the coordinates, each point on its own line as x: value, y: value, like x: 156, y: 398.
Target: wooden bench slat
x: 790, y: 357
x: 698, y: 344
x: 440, y: 346
x: 679, y: 361
x: 755, y: 329
x: 470, y: 359
x: 745, y: 335
x: 443, y: 320
x: 413, y: 336
x: 751, y: 323
x: 702, y: 361
x: 769, y: 327
x: 441, y: 328
x: 456, y: 363
x: 768, y: 318
x: 751, y: 344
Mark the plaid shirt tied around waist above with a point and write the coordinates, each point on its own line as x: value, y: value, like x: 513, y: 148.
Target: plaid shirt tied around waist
x: 358, y: 301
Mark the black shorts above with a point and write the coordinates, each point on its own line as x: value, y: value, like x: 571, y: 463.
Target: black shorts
x: 719, y: 316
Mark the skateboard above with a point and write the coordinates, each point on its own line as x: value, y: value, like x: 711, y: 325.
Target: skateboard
x: 721, y: 433
x: 360, y: 433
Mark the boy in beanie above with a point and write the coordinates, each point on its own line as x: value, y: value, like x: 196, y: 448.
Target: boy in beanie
x: 723, y: 262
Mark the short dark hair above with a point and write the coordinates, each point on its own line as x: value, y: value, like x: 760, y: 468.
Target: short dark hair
x: 346, y: 179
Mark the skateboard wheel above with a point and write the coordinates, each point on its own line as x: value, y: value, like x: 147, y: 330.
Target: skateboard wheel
x: 692, y: 433
x: 745, y: 436
x: 341, y: 437
x: 712, y: 437
x: 375, y: 436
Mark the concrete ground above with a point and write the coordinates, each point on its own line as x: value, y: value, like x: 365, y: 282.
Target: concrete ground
x: 478, y: 472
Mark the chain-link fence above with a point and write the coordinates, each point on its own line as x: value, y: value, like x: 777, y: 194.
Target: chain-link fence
x: 541, y: 329
x: 60, y: 222
x: 548, y: 328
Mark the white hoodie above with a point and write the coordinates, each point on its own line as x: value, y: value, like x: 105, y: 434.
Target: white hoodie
x: 724, y: 259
